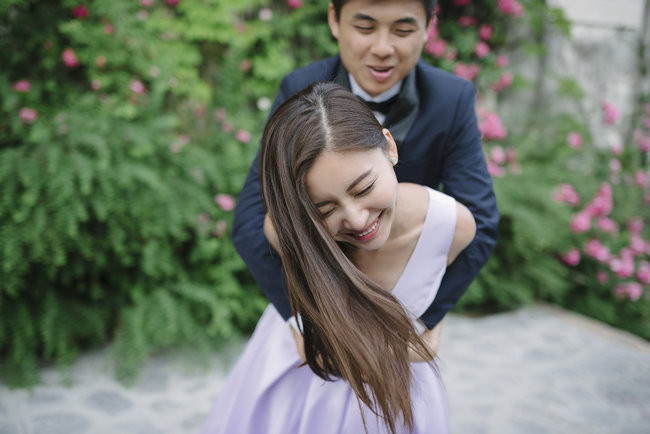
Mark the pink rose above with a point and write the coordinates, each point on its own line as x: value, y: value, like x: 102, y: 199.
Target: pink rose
x: 146, y: 3
x: 227, y: 127
x: 491, y: 127
x: 610, y: 113
x: 571, y: 258
x: 566, y: 193
x: 80, y: 12
x: 602, y: 277
x: 481, y: 50
x: 466, y: 21
x: 641, y: 178
x: 136, y: 86
x: 637, y: 244
x: 597, y: 250
x: 495, y: 170
x: 243, y: 136
x: 498, y: 155
x: 468, y: 72
x: 100, y: 61
x: 485, y: 32
x: 69, y: 58
x: 643, y: 272
x: 172, y: 3
x: 631, y: 290
x: 581, y: 222
x: 22, y: 86
x: 606, y: 224
x: 225, y: 202
x: 28, y: 115
x: 574, y: 140
x: 622, y: 268
x: 504, y: 82
x: 502, y: 61
x: 635, y: 225
x: 294, y: 4
x: 436, y: 47
x: 109, y: 29
x: 511, y: 7
x: 220, y: 228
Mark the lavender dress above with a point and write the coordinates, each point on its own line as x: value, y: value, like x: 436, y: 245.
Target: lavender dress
x: 267, y: 392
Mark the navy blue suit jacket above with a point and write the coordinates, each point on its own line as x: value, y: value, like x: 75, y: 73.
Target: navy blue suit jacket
x: 442, y: 149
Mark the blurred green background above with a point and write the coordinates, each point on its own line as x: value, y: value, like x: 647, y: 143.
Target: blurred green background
x: 127, y: 129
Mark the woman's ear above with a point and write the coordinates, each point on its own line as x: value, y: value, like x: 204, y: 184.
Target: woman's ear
x: 391, y: 150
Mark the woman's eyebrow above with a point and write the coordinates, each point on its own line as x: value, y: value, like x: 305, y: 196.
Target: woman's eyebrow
x: 358, y: 180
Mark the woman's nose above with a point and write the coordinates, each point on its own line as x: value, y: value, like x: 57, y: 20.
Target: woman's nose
x: 355, y: 219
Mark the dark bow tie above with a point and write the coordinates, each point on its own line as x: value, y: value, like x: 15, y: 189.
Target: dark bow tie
x: 382, y: 107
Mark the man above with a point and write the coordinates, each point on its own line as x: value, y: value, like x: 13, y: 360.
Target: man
x: 429, y: 112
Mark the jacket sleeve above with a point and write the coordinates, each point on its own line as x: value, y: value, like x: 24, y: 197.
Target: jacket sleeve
x: 250, y: 241
x: 465, y: 177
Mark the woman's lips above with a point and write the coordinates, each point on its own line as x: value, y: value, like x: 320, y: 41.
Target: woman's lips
x: 381, y: 74
x: 369, y: 233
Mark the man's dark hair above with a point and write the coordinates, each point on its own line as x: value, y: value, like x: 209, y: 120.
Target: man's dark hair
x: 429, y: 7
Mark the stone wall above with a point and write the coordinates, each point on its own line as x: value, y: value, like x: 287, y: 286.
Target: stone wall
x: 607, y: 52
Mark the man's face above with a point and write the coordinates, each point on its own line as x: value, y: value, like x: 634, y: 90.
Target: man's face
x: 380, y: 41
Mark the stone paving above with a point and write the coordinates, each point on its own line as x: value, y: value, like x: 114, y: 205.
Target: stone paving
x: 536, y: 370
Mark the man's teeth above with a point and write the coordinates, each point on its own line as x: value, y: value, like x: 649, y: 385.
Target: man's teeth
x: 372, y: 228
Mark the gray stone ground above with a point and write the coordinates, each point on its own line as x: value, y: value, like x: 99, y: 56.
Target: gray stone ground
x: 536, y: 370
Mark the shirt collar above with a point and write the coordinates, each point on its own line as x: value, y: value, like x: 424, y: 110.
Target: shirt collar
x: 357, y: 90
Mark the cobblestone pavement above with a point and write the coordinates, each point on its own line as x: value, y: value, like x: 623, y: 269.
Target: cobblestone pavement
x: 536, y: 370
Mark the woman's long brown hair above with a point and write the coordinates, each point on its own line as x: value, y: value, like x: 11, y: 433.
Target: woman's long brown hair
x: 352, y: 327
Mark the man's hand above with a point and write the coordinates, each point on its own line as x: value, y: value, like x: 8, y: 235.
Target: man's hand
x: 431, y: 339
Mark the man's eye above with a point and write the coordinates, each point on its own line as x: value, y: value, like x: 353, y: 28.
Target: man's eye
x: 403, y: 32
x: 364, y: 29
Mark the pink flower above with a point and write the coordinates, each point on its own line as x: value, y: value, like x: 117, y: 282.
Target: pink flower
x: 227, y: 127
x: 172, y: 3
x: 511, y: 7
x: 498, y: 155
x: 581, y: 222
x: 574, y: 140
x: 80, y: 12
x: 504, y: 82
x: 495, y: 170
x: 22, y: 86
x: 610, y: 113
x: 641, y: 178
x: 294, y: 4
x: 100, y: 61
x: 491, y: 127
x: 603, y: 203
x: 635, y: 225
x: 245, y: 65
x: 468, y: 72
x: 436, y: 47
x: 243, y: 136
x: 146, y: 3
x: 109, y: 29
x: 220, y: 115
x: 615, y: 165
x: 466, y: 21
x: 143, y: 14
x: 511, y: 155
x: 637, y: 245
x: 643, y: 272
x: 602, y: 277
x: 69, y: 58
x: 452, y: 53
x: 502, y: 61
x: 27, y: 115
x: 566, y: 193
x: 225, y: 201
x: 220, y: 228
x: 631, y: 290
x: 481, y: 50
x: 597, y: 250
x: 571, y: 258
x: 606, y: 224
x: 622, y: 268
x: 136, y: 86
x: 485, y: 32
x: 461, y: 3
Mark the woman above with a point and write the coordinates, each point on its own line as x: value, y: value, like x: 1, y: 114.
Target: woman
x: 363, y: 257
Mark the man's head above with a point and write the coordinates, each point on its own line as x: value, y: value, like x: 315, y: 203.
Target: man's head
x: 380, y: 41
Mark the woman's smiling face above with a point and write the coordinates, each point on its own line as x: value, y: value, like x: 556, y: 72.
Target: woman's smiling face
x: 356, y: 193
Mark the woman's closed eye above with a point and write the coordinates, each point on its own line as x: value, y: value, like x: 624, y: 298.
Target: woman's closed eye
x: 367, y: 189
